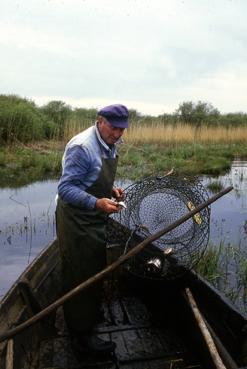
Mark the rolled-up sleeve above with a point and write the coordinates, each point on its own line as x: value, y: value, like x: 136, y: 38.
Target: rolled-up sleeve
x: 71, y: 187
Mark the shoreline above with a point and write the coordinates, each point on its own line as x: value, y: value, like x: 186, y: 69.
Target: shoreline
x: 24, y: 164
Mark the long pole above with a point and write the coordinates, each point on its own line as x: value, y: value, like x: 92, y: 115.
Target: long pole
x: 205, y: 332
x: 135, y: 250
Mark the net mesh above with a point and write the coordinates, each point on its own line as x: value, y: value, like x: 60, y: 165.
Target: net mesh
x: 153, y: 204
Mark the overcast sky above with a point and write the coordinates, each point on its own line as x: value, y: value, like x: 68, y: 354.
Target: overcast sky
x: 150, y: 55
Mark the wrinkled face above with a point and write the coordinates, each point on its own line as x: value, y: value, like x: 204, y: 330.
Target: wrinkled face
x: 109, y: 133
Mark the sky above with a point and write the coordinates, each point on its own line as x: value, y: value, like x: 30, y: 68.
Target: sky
x: 149, y: 55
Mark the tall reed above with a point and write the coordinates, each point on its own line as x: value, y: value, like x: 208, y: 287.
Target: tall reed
x: 160, y: 133
x: 225, y: 266
x: 74, y: 126
x: 184, y: 133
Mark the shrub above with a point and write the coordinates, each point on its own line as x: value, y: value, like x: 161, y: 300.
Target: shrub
x: 21, y: 120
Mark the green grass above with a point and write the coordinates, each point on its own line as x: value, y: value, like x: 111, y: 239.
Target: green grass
x: 20, y: 165
x: 225, y: 266
x: 209, y: 265
x: 186, y: 159
x: 215, y: 186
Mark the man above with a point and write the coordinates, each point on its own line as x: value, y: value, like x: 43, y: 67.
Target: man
x: 84, y: 203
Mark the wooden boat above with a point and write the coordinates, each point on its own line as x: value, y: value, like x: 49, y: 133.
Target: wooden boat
x: 152, y: 322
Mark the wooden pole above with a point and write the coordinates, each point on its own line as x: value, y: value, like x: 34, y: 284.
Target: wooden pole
x: 226, y: 357
x: 205, y: 332
x: 102, y: 274
x: 10, y: 355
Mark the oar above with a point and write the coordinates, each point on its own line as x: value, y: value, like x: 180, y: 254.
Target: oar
x: 102, y: 274
x: 205, y: 332
x: 218, y: 353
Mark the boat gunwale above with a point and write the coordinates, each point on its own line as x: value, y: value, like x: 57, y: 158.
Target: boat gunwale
x: 27, y: 273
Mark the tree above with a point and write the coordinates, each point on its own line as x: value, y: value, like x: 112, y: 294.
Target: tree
x: 85, y: 114
x: 198, y: 113
x: 58, y: 112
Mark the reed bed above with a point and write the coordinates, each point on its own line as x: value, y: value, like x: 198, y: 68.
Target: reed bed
x: 73, y: 127
x: 225, y: 266
x: 150, y: 148
x: 184, y: 133
x: 159, y: 133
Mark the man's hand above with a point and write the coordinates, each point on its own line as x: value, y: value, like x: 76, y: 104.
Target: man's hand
x: 118, y: 193
x: 107, y: 205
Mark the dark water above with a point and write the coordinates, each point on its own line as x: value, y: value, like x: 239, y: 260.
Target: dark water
x: 27, y: 222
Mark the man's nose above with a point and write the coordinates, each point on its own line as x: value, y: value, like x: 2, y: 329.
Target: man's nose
x: 118, y: 133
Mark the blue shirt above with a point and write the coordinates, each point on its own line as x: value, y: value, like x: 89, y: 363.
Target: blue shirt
x: 81, y: 167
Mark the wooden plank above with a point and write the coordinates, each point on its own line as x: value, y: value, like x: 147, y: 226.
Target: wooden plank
x: 118, y: 314
x: 10, y: 354
x: 12, y: 308
x: 31, y: 302
x: 152, y: 343
x: 46, y: 354
x: 121, y: 349
x: 136, y: 311
x: 58, y: 353
x: 107, y: 315
x: 62, y: 353
x: 119, y: 328
x: 137, y: 346
x: 164, y: 363
x: 140, y: 344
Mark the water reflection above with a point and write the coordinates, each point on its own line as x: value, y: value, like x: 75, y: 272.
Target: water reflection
x: 27, y: 224
x: 27, y: 221
x: 229, y: 214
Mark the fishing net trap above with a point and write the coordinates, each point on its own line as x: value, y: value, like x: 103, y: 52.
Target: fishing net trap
x: 151, y: 205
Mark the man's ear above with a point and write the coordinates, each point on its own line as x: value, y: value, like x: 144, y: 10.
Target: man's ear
x: 100, y: 120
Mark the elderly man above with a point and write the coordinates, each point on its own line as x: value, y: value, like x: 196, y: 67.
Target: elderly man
x: 84, y: 203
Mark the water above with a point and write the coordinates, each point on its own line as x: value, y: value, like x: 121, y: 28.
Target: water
x: 27, y: 224
x: 229, y: 214
x: 27, y: 221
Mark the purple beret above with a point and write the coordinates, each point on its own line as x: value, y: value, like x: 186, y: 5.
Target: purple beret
x: 117, y: 115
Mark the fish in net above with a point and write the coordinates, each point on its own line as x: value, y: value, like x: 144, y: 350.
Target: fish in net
x: 154, y: 203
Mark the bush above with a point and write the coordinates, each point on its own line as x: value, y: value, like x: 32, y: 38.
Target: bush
x: 59, y: 113
x: 21, y: 120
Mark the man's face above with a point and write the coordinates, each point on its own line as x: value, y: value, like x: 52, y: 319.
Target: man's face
x: 109, y: 133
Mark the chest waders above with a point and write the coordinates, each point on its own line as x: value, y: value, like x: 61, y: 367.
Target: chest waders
x: 82, y: 243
